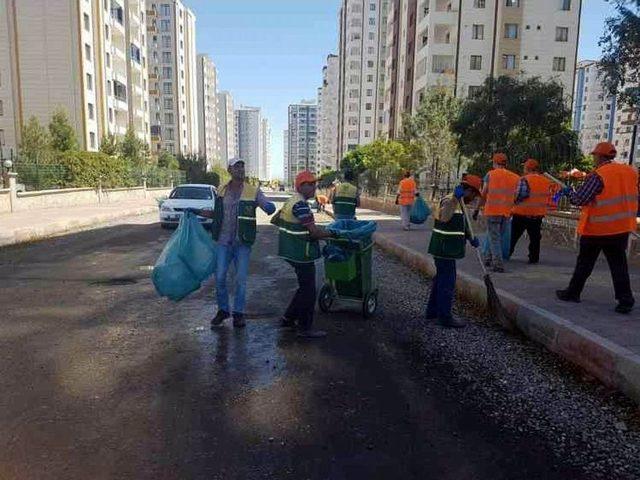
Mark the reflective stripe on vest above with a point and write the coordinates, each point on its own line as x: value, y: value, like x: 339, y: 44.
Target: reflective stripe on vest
x: 247, y: 205
x: 344, y: 201
x: 536, y: 204
x: 294, y: 240
x: 614, y: 211
x: 448, y: 238
x: 500, y: 194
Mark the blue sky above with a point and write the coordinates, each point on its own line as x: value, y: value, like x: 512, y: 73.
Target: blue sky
x: 270, y: 53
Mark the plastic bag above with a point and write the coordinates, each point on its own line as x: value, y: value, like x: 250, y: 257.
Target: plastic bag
x: 506, y: 243
x: 353, y: 229
x: 419, y: 212
x: 187, y: 259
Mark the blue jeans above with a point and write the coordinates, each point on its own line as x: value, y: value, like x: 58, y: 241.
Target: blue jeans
x: 344, y: 217
x: 238, y: 254
x: 443, y: 289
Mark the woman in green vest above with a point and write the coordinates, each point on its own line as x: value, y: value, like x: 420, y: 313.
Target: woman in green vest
x: 345, y: 198
x: 448, y: 244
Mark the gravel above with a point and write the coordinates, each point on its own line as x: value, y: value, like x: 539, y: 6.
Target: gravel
x: 516, y: 382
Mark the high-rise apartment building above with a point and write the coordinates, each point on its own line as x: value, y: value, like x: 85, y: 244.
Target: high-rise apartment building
x: 461, y: 44
x: 302, y: 139
x: 88, y: 58
x: 226, y: 123
x: 208, y: 129
x: 285, y: 160
x: 361, y: 71
x: 328, y: 115
x: 265, y: 153
x: 171, y: 45
x: 248, y: 123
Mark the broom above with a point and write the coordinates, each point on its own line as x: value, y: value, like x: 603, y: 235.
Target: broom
x: 493, y: 300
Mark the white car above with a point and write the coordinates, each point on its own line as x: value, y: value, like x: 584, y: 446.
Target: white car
x: 191, y: 195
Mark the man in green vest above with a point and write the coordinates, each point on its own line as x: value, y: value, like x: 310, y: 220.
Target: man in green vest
x: 298, y: 245
x: 345, y: 198
x: 234, y: 229
x: 448, y: 243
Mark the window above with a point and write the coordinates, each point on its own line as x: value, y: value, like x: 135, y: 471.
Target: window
x: 509, y: 62
x: 559, y: 64
x: 367, y: 106
x: 369, y: 78
x: 566, y: 5
x: 370, y: 63
x: 369, y: 92
x: 92, y: 139
x: 168, y: 118
x: 164, y: 25
x: 372, y: 7
x: 478, y: 32
x: 166, y: 57
x: 372, y: 21
x: 167, y: 72
x: 108, y: 60
x: 474, y: 90
x: 1, y: 137
x: 167, y: 88
x: 166, y: 41
x: 165, y: 9
x: 510, y: 30
x: 367, y: 133
x: 111, y: 115
x: 91, y: 111
x: 1, y: 108
x: 476, y: 62
x: 367, y: 120
x: 562, y: 34
x: 87, y: 23
x: 106, y: 31
x: 168, y: 103
x: 512, y: 3
x: 87, y: 52
x: 478, y: 3
x: 89, y: 82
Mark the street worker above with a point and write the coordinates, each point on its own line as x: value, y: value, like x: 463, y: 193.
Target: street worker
x: 345, y: 198
x: 406, y: 196
x: 498, y: 192
x: 234, y: 228
x: 609, y: 201
x: 321, y: 202
x: 448, y: 242
x: 532, y: 195
x: 298, y: 245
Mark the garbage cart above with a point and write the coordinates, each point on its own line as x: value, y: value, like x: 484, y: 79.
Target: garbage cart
x: 349, y: 276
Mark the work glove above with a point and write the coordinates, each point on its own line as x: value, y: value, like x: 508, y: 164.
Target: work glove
x: 475, y: 243
x: 458, y: 192
x: 475, y: 214
x: 269, y: 208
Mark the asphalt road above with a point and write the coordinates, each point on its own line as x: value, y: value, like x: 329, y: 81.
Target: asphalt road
x: 102, y: 379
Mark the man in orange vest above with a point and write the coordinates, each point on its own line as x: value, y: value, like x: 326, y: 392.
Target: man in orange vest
x: 609, y: 201
x: 406, y: 196
x: 530, y: 208
x: 497, y: 197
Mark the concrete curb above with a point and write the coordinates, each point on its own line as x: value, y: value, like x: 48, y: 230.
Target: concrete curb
x: 613, y: 365
x: 40, y: 232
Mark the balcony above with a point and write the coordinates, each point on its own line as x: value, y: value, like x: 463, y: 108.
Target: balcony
x: 443, y: 34
x: 445, y: 6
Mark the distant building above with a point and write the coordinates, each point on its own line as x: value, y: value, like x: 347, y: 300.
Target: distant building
x: 265, y: 154
x: 285, y: 160
x: 208, y: 130
x: 226, y: 124
x: 302, y: 139
x: 248, y: 123
x: 328, y: 115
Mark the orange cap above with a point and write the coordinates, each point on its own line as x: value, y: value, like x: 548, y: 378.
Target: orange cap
x: 305, y: 177
x: 499, y: 158
x: 532, y: 164
x: 473, y: 181
x: 605, y: 149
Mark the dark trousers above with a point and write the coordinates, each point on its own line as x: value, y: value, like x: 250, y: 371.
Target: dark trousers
x: 533, y: 226
x: 443, y: 288
x: 302, y: 305
x: 614, y: 248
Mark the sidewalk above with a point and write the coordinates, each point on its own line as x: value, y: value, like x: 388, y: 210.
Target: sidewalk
x: 31, y: 225
x: 589, y: 334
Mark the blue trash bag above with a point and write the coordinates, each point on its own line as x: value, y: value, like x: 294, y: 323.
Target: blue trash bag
x: 353, y: 229
x: 506, y: 243
x: 419, y: 212
x: 198, y: 250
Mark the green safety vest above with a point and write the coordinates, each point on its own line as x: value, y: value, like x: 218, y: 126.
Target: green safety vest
x: 448, y: 239
x: 295, y: 242
x: 246, y: 214
x: 345, y: 199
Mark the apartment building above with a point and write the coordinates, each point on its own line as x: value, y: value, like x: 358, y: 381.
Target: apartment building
x: 226, y: 124
x: 361, y: 57
x: 208, y: 129
x: 626, y: 123
x: 172, y: 76
x: 328, y: 115
x: 265, y: 151
x: 88, y: 58
x: 459, y: 44
x: 302, y: 139
x: 285, y: 159
x: 248, y: 142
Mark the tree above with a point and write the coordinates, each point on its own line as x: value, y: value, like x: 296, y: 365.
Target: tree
x: 621, y: 52
x: 133, y: 149
x: 523, y: 118
x: 384, y: 160
x: 63, y: 136
x: 195, y: 167
x: 109, y: 145
x: 167, y: 160
x: 35, y: 144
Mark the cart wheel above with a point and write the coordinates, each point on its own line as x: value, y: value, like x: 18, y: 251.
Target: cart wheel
x: 370, y: 304
x: 325, y: 299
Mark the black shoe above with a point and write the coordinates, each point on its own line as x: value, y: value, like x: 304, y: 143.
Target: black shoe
x: 624, y: 308
x: 497, y: 269
x: 452, y: 322
x: 308, y: 333
x: 220, y: 317
x: 238, y: 320
x: 286, y: 322
x: 566, y: 296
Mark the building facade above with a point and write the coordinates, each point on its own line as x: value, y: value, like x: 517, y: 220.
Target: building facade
x: 226, y: 124
x: 208, y: 129
x: 248, y: 123
x: 87, y: 58
x: 285, y: 160
x: 328, y: 115
x: 172, y: 76
x: 302, y: 135
x: 265, y: 153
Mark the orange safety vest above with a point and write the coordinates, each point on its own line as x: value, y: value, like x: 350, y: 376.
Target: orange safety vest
x: 536, y: 204
x: 502, y: 190
x: 615, y: 210
x: 407, y: 191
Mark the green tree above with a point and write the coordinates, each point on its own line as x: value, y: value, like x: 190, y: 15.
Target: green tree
x: 63, y: 136
x: 167, y: 160
x: 354, y: 161
x: 384, y: 161
x: 35, y: 144
x: 523, y: 118
x: 195, y: 167
x: 621, y: 52
x: 134, y: 149
x: 109, y: 145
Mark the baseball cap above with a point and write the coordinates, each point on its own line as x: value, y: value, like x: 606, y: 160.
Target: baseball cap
x: 473, y: 181
x: 499, y: 158
x: 605, y: 149
x: 234, y: 161
x: 305, y: 177
x: 531, y: 164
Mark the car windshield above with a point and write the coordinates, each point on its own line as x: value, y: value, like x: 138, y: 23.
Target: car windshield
x: 192, y: 193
